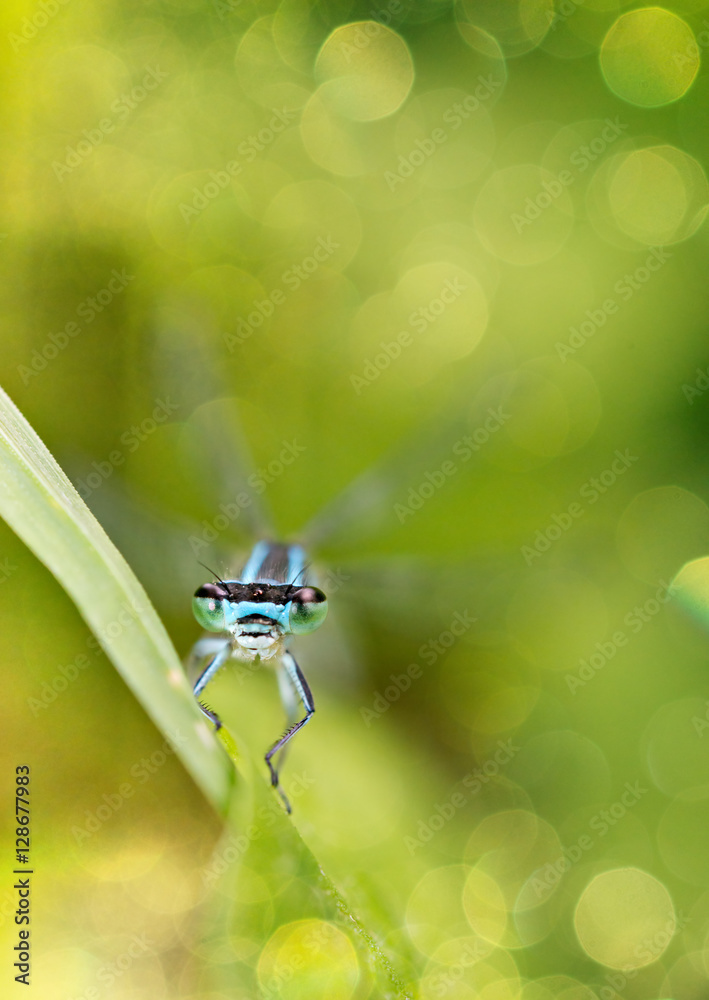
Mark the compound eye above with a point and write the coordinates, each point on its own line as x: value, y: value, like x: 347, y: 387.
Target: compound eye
x: 308, y: 610
x: 208, y: 607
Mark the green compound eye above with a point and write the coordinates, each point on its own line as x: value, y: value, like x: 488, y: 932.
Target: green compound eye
x: 308, y: 610
x: 208, y: 607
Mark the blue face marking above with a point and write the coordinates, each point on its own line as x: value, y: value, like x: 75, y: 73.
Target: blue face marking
x: 278, y: 613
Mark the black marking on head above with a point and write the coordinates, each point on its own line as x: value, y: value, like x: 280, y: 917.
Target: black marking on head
x: 266, y: 593
x: 214, y: 591
x: 256, y: 620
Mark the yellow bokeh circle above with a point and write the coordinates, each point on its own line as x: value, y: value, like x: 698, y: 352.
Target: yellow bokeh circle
x: 485, y: 906
x: 370, y: 68
x: 309, y: 960
x: 682, y: 834
x: 659, y: 531
x: 517, y: 25
x: 470, y: 968
x: 650, y: 57
x: 445, y: 310
x: 658, y: 195
x: 434, y: 911
x: 625, y: 918
x: 676, y: 750
x: 338, y: 144
x: 512, y: 846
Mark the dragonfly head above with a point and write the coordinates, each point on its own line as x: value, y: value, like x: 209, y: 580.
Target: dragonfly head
x: 259, y: 615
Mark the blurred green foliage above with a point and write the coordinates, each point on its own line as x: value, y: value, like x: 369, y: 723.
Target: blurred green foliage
x: 455, y: 253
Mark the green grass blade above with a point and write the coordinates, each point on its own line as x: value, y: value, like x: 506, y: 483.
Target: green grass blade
x: 43, y: 508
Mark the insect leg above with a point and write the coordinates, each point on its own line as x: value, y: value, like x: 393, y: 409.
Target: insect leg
x: 214, y: 665
x: 295, y: 676
x: 208, y: 645
x: 290, y: 701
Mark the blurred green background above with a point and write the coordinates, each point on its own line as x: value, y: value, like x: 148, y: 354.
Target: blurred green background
x: 454, y: 253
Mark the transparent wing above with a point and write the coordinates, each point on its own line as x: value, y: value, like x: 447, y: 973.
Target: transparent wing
x: 187, y: 367
x: 367, y: 506
x: 370, y: 561
x: 163, y: 549
x: 201, y: 461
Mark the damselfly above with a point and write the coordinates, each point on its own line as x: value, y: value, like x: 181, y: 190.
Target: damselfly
x: 275, y: 595
x: 271, y: 599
